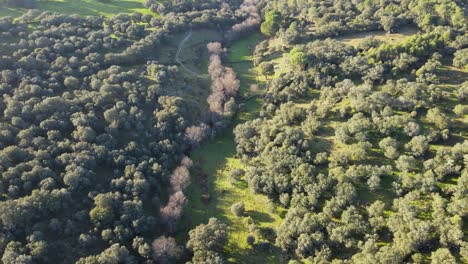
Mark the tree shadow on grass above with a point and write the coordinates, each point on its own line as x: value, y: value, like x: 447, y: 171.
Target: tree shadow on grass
x: 320, y: 144
x: 260, y: 252
x: 450, y: 75
x: 326, y: 131
x: 260, y: 216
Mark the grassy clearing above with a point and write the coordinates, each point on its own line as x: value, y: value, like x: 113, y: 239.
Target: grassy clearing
x: 355, y: 39
x: 13, y: 12
x: 215, y: 160
x: 242, y: 49
x: 83, y: 7
x: 240, y: 60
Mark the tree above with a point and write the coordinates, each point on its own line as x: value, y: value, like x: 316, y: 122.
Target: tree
x: 442, y: 255
x: 207, y: 242
x: 9, y: 76
x: 297, y: 57
x: 165, y: 249
x: 403, y: 63
x: 196, y: 134
x: 460, y: 110
x: 208, y: 237
x: 15, y: 253
x: 460, y: 59
x: 71, y: 82
x: 439, y: 118
x: 250, y: 240
x: 430, y: 66
x: 224, y: 82
x: 310, y: 125
x: 101, y: 216
x: 236, y: 174
x: 266, y: 68
x: 405, y: 163
x: 114, y: 254
x: 271, y: 23
x: 412, y: 129
x: 149, y: 3
x: 173, y: 210
x: 376, y: 215
x: 208, y: 257
x: 390, y: 147
x: 418, y: 145
x: 464, y: 251
x: 238, y: 209
x: 292, y: 33
x: 388, y: 23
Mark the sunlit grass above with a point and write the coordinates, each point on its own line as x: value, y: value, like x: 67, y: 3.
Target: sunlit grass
x: 354, y: 39
x: 84, y: 7
x: 216, y: 159
x: 13, y: 12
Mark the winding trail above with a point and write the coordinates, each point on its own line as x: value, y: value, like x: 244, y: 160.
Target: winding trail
x: 179, y: 49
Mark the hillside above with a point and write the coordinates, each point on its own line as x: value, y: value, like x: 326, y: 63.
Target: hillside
x: 233, y: 131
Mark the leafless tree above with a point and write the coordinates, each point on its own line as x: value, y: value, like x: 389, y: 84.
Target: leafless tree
x: 164, y: 249
x: 253, y: 20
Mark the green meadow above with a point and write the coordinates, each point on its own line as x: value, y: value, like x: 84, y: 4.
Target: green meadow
x: 83, y: 7
x: 215, y: 160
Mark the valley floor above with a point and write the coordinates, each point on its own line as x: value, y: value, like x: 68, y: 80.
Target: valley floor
x: 214, y: 196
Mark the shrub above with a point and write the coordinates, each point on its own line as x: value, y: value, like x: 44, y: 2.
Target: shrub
x: 236, y: 174
x: 71, y: 82
x: 238, y: 209
x: 250, y: 240
x: 321, y: 158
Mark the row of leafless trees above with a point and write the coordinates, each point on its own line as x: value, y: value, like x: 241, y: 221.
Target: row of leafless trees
x: 224, y: 87
x: 250, y: 8
x: 180, y: 179
x: 224, y: 82
x: 165, y: 248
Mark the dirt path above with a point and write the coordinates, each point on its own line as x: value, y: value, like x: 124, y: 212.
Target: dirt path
x: 177, y: 56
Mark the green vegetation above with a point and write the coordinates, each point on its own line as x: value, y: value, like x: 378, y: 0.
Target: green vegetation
x: 108, y: 115
x: 216, y: 160
x: 354, y: 137
x: 271, y: 23
x: 83, y: 7
x: 216, y: 131
x: 357, y: 39
x: 7, y: 11
x: 94, y: 7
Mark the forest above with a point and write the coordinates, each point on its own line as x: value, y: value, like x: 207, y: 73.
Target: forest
x: 233, y: 131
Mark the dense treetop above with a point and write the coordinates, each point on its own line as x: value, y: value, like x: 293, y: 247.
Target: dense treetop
x: 91, y: 134
x: 363, y: 146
